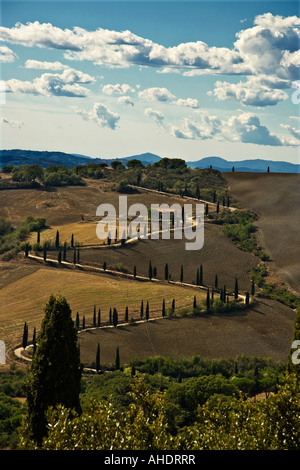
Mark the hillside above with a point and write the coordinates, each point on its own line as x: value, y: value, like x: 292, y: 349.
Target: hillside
x: 46, y: 159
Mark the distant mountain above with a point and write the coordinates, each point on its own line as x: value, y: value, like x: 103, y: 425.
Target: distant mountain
x: 45, y: 159
x: 255, y: 165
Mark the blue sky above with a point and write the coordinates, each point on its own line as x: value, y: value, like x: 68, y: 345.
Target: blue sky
x: 180, y: 79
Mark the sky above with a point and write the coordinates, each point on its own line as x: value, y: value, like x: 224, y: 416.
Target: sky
x: 180, y: 79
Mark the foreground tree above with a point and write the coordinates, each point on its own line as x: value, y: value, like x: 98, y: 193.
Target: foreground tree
x: 55, y: 372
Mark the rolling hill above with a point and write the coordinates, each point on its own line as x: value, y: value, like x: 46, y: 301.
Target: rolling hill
x: 45, y: 159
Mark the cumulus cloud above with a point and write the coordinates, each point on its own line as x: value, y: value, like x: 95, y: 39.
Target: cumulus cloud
x: 65, y: 84
x: 117, y: 89
x: 256, y: 91
x: 16, y: 124
x: 101, y: 115
x: 126, y: 100
x: 189, y: 102
x: 6, y: 54
x: 155, y: 115
x: 39, y: 65
x: 156, y: 94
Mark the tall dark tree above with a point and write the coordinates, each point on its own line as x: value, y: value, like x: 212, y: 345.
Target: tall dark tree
x: 94, y: 316
x: 59, y: 256
x: 150, y: 273
x: 99, y: 318
x: 74, y: 257
x: 55, y: 373
x: 252, y: 288
x: 247, y: 298
x: 181, y: 274
x: 142, y: 309
x: 34, y: 340
x: 216, y: 281
x: 166, y: 272
x: 195, y: 302
x: 126, y: 314
x: 72, y: 241
x: 110, y: 316
x: 25, y: 336
x: 117, y: 362
x: 104, y: 265
x: 98, y: 367
x: 45, y: 253
x: 134, y: 271
x: 38, y: 237
x: 206, y: 209
x: 57, y: 239
x: 201, y: 275
x: 83, y: 322
x: 115, y: 317
x: 26, y: 250
x: 147, y: 311
x: 218, y: 207
x: 173, y: 306
x: 236, y: 289
x: 78, y: 255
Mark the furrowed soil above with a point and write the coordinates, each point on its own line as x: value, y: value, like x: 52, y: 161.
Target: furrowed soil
x: 275, y: 197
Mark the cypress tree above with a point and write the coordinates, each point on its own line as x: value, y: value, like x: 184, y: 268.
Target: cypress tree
x: 26, y: 250
x: 247, y: 298
x: 57, y: 239
x: 181, y: 274
x: 198, y: 277
x: 147, y: 311
x: 166, y: 272
x: 59, y: 256
x: 206, y: 209
x: 77, y: 323
x: 45, y: 253
x: 117, y: 362
x: 218, y: 207
x: 150, y: 270
x: 55, y: 373
x: 104, y: 265
x: 78, y: 255
x: 115, y: 317
x: 216, y: 281
x: 74, y: 257
x: 38, y: 237
x: 252, y: 288
x: 83, y: 322
x: 72, y: 241
x: 134, y: 271
x: 94, y: 316
x: 126, y: 314
x: 110, y: 316
x: 236, y: 289
x: 201, y: 276
x: 214, y: 196
x: 173, y: 306
x: 194, y: 302
x: 25, y: 336
x: 98, y: 367
x: 99, y: 318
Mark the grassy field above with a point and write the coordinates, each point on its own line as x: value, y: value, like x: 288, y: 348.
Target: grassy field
x: 24, y: 298
x: 275, y: 197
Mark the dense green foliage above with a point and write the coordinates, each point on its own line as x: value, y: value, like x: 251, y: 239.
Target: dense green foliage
x: 55, y: 371
x: 35, y: 175
x: 12, y: 238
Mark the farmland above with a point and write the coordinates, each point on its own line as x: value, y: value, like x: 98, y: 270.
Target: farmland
x: 265, y: 328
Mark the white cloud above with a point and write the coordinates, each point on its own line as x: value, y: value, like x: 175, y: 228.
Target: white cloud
x: 256, y: 91
x: 156, y: 94
x: 126, y: 100
x: 17, y: 124
x: 65, y: 84
x: 117, y: 89
x: 157, y: 116
x: 101, y: 115
x: 37, y: 64
x: 189, y: 102
x: 6, y: 54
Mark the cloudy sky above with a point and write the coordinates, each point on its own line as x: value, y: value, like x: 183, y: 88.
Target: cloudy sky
x: 179, y: 79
